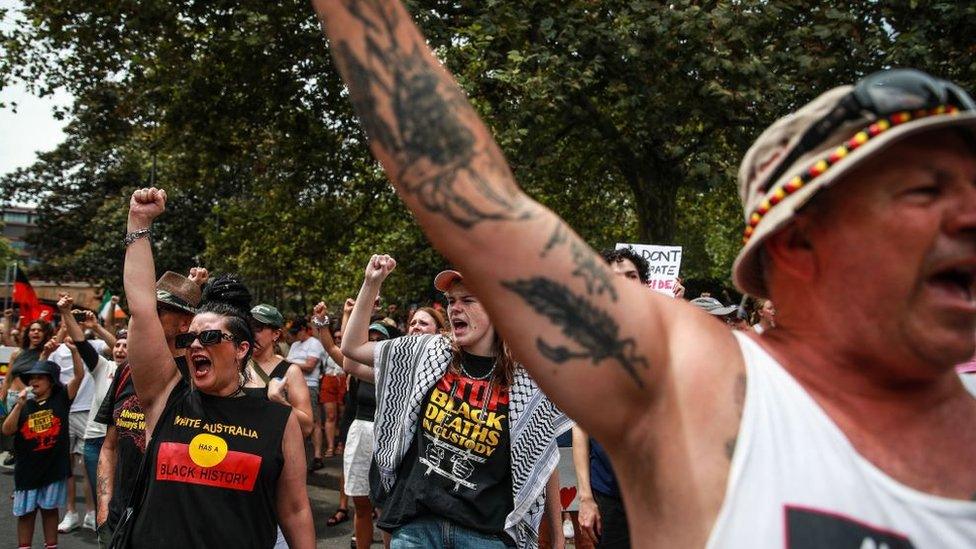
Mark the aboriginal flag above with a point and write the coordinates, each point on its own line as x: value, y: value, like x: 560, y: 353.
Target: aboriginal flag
x: 26, y: 299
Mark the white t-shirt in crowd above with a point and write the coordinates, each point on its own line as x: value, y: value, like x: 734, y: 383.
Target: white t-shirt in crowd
x: 301, y: 350
x: 62, y: 356
x: 101, y: 381
x: 332, y: 368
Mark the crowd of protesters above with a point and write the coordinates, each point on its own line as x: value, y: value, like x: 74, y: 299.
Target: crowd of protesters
x: 830, y: 410
x: 282, y: 381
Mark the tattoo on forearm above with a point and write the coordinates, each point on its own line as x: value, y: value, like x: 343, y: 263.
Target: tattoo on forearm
x: 595, y: 332
x: 588, y: 265
x: 101, y: 486
x: 417, y: 115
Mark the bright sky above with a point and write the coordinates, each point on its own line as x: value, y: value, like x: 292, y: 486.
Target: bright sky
x: 33, y: 127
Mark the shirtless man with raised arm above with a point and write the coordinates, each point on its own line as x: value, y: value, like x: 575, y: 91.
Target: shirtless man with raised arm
x: 828, y: 431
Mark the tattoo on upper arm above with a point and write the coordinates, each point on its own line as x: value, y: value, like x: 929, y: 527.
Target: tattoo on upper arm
x: 587, y: 264
x: 740, y: 401
x: 558, y: 236
x: 592, y: 270
x: 595, y: 332
x: 417, y: 115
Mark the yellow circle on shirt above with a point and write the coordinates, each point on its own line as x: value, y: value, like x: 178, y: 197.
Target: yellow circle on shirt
x: 207, y: 450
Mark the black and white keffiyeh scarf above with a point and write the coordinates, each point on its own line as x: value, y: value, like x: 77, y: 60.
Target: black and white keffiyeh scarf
x: 406, y: 369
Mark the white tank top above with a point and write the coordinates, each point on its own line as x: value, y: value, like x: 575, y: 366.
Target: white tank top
x: 796, y: 482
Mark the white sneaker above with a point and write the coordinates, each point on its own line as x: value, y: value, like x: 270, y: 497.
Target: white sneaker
x: 90, y: 520
x: 69, y: 522
x: 568, y: 529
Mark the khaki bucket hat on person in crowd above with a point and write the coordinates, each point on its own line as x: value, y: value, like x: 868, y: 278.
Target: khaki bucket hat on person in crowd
x: 812, y: 148
x: 178, y: 291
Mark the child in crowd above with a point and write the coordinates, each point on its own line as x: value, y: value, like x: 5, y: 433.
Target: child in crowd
x: 39, y: 421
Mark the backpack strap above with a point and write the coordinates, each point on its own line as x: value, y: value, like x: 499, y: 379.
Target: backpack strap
x: 259, y: 371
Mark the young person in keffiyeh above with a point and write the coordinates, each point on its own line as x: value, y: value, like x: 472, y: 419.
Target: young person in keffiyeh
x: 465, y: 440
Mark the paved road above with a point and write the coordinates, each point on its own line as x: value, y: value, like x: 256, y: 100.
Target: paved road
x: 322, y: 491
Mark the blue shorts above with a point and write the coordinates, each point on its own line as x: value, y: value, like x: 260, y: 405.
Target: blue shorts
x: 52, y: 496
x: 438, y: 533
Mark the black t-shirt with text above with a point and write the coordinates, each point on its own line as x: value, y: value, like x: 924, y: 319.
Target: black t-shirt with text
x: 41, y: 441
x: 215, y: 463
x: 121, y: 409
x: 458, y: 466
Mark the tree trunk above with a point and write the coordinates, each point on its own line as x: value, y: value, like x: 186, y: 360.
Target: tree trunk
x: 652, y: 180
x: 655, y: 199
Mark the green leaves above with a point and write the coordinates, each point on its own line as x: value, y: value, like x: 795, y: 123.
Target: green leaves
x: 627, y: 117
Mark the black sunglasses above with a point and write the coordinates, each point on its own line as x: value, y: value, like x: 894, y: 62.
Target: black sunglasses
x: 883, y: 94
x: 206, y: 337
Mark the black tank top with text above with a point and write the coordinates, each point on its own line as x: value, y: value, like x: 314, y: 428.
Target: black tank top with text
x: 214, y: 474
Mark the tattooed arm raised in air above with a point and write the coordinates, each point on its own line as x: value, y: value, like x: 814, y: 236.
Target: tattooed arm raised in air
x: 569, y: 320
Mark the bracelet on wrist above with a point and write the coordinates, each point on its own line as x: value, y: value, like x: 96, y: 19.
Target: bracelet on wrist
x: 136, y: 235
x: 320, y: 323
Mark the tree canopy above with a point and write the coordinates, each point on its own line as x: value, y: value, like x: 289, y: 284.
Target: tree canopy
x: 628, y: 118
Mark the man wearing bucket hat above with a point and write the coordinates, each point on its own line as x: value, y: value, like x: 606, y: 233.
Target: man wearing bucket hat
x: 831, y: 430
x: 177, y: 298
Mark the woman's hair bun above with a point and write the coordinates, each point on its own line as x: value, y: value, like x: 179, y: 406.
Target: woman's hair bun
x: 227, y: 289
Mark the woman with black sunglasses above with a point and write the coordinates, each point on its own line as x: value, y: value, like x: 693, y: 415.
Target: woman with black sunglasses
x: 224, y: 468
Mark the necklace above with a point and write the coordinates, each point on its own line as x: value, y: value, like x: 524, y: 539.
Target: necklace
x: 476, y: 378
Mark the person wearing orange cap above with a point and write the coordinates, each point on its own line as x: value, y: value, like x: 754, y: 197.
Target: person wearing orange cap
x: 831, y: 430
x: 464, y: 439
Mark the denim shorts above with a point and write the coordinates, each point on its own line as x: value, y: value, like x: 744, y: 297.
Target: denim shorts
x: 51, y: 496
x: 93, y: 447
x: 436, y: 533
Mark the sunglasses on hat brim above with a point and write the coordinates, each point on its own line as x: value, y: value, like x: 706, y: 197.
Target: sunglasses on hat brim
x: 883, y: 94
x: 206, y: 337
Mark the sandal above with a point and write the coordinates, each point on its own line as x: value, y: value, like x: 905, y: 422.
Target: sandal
x: 329, y: 453
x: 341, y: 515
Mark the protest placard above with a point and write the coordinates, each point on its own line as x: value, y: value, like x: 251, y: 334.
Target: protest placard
x: 664, y: 262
